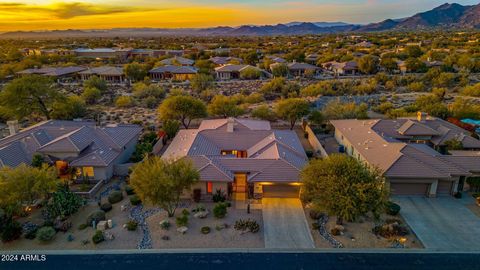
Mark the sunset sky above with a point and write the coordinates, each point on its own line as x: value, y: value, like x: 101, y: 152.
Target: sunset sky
x: 81, y: 14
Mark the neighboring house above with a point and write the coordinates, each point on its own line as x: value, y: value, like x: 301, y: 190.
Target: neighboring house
x: 178, y: 61
x: 92, y: 151
x: 54, y: 72
x: 404, y: 150
x: 230, y: 71
x: 241, y: 156
x: 220, y: 60
x: 140, y: 53
x: 102, y: 53
x: 170, y: 72
x: 341, y: 68
x: 157, y: 53
x: 108, y: 73
x: 275, y: 59
x: 311, y: 58
x: 297, y: 69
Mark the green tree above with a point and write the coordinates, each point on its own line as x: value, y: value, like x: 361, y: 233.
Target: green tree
x: 171, y: 127
x: 454, y: 144
x: 27, y: 95
x: 415, y: 65
x: 292, y: 109
x: 71, y: 108
x: 368, y: 64
x: 91, y: 95
x: 263, y: 112
x: 389, y: 64
x: 182, y: 108
x: 224, y: 106
x: 96, y: 82
x: 201, y: 82
x: 338, y: 110
x: 280, y: 87
x: 135, y: 71
x: 161, y: 182
x: 280, y: 70
x: 414, y: 51
x: 63, y: 202
x: 124, y: 101
x: 344, y: 187
x: 250, y: 73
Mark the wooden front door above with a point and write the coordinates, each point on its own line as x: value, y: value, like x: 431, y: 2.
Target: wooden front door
x: 240, y: 182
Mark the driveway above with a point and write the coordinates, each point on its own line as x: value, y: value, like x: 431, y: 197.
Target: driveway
x: 442, y: 223
x: 285, y: 225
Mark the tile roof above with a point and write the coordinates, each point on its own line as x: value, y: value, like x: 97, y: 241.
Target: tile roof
x: 174, y: 69
x: 104, y: 70
x: 276, y: 155
x: 87, y: 144
x: 178, y: 59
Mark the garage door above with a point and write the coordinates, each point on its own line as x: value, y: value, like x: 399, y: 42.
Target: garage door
x: 280, y: 191
x: 418, y: 189
x: 444, y: 188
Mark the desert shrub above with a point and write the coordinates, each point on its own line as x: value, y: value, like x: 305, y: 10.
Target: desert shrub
x: 392, y: 208
x: 64, y: 202
x: 315, y: 214
x: 335, y: 231
x: 182, y: 221
x: 45, y: 234
x: 205, y: 230
x: 115, y: 197
x: 82, y: 226
x: 474, y: 183
x: 220, y: 210
x: 106, y: 206
x: 185, y: 212
x: 97, y: 215
x: 30, y: 231
x: 135, y: 200
x: 98, y: 237
x: 132, y: 225
x: 129, y: 190
x: 11, y: 230
x: 199, y: 208
x: 219, y: 196
x: 165, y: 225
x: 390, y: 230
x: 246, y: 225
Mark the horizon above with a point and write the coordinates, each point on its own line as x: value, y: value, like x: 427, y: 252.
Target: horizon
x: 47, y: 15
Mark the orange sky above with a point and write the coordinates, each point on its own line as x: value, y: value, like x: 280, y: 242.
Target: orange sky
x: 81, y: 14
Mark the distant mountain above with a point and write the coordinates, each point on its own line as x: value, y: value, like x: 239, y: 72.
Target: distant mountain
x: 454, y: 16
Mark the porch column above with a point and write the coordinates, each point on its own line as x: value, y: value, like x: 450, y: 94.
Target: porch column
x: 432, y: 191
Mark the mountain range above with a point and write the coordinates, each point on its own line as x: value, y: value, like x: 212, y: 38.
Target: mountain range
x: 446, y: 16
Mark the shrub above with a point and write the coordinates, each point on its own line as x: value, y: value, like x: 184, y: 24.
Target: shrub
x: 219, y: 196
x: 392, y: 208
x: 335, y: 232
x: 64, y: 202
x: 199, y: 208
x: 390, y: 230
x: 82, y: 226
x: 132, y: 225
x: 165, y: 225
x: 315, y: 214
x: 115, y: 197
x: 185, y: 212
x: 205, y: 230
x: 98, y: 237
x: 45, y: 234
x: 129, y: 190
x: 182, y: 221
x: 29, y: 230
x: 247, y: 225
x: 220, y: 210
x: 197, y: 195
x: 11, y: 230
x: 97, y: 215
x: 135, y: 200
x: 106, y: 207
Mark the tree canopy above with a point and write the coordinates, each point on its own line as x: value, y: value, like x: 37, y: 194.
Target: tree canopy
x: 292, y: 109
x: 224, y: 106
x: 182, y: 108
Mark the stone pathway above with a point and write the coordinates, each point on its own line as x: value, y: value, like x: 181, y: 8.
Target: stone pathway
x: 322, y: 222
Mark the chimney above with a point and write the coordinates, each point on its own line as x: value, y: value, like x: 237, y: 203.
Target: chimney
x: 421, y: 116
x: 230, y: 124
x: 13, y: 127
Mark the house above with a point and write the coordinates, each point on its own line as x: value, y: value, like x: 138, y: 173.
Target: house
x: 275, y: 59
x: 311, y: 58
x: 231, y: 71
x: 178, y: 61
x: 408, y: 152
x: 244, y: 157
x: 54, y: 72
x: 297, y: 69
x: 170, y: 72
x: 102, y: 53
x: 341, y: 68
x: 157, y: 53
x: 140, y: 53
x: 220, y: 60
x: 92, y: 151
x: 108, y: 73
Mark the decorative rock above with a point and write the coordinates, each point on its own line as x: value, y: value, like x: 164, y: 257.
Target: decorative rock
x: 182, y: 229
x: 109, y: 223
x: 201, y: 214
x: 124, y: 226
x: 102, y: 225
x: 340, y: 228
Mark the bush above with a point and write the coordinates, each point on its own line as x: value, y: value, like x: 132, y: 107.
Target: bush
x: 106, y: 207
x: 97, y: 215
x: 315, y: 214
x: 30, y: 230
x: 392, y: 208
x: 185, y: 212
x: 82, y: 226
x: 98, y: 237
x: 135, y: 200
x: 129, y: 190
x: 390, y: 230
x: 45, y: 234
x: 335, y: 231
x: 165, y: 225
x: 11, y: 230
x: 220, y: 210
x: 219, y: 196
x: 182, y: 221
x: 197, y: 195
x: 115, y: 197
x: 205, y: 230
x: 132, y: 225
x: 247, y: 225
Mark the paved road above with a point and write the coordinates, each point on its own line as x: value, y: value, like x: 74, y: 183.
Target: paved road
x: 441, y: 223
x: 252, y: 260
x: 284, y: 223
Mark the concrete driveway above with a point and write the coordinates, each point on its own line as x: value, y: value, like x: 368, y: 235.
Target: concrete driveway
x: 285, y: 225
x: 442, y: 223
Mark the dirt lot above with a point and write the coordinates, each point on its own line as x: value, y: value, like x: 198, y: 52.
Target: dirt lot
x: 193, y: 238
x: 359, y: 234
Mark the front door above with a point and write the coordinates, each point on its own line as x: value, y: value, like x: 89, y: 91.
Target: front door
x: 240, y: 183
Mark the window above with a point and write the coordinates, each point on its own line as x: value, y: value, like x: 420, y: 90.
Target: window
x: 88, y: 171
x: 209, y: 187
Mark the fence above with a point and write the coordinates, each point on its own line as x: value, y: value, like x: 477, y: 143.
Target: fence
x: 314, y: 142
